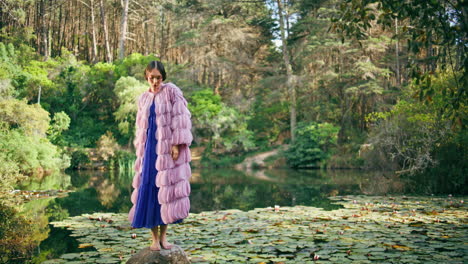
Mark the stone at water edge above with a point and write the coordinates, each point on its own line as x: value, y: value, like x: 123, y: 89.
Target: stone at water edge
x: 175, y: 255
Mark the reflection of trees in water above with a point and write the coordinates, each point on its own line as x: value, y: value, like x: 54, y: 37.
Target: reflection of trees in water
x: 55, y: 181
x: 106, y: 190
x: 55, y: 241
x: 99, y: 191
x: 226, y: 189
x: 41, y: 212
x: 209, y: 197
x: 214, y: 189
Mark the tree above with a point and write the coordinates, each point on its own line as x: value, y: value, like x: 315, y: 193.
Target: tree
x: 313, y: 145
x: 222, y: 127
x: 127, y: 90
x: 123, y: 29
x: 290, y: 82
x: 437, y: 34
x: 105, y: 30
x: 410, y: 138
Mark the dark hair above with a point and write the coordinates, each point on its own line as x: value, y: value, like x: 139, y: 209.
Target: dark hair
x: 156, y: 65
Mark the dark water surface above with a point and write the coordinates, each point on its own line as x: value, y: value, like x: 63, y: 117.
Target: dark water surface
x: 212, y: 189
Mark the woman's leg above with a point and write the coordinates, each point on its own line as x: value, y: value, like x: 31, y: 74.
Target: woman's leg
x: 163, y: 239
x: 155, y: 237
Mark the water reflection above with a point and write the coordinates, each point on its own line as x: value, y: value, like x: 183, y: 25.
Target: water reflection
x: 212, y: 189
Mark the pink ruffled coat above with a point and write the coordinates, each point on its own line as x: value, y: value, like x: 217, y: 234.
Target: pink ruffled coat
x: 173, y: 128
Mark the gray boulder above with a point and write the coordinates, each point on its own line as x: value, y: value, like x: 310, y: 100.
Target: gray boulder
x: 175, y: 255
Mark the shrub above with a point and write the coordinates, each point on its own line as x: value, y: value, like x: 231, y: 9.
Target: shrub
x: 313, y: 145
x: 415, y: 136
x: 224, y: 126
x: 107, y: 146
x: 79, y: 159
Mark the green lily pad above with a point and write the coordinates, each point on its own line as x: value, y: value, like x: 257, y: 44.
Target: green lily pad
x: 295, y: 234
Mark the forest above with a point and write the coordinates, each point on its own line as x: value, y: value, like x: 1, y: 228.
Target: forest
x: 371, y: 85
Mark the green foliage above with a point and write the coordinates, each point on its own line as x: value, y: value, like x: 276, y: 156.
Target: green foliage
x: 60, y: 123
x: 79, y: 159
x: 24, y: 147
x: 224, y: 127
x: 90, y: 90
x: 205, y: 103
x: 269, y: 115
x: 124, y: 160
x: 9, y: 176
x: 431, y: 21
x: 211, y: 159
x: 20, y: 73
x: 8, y: 69
x: 33, y: 120
x: 416, y: 137
x: 27, y: 75
x: 312, y: 146
x: 134, y: 65
x: 127, y: 90
x: 31, y: 154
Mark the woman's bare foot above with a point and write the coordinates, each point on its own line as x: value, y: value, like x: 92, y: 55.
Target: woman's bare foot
x: 155, y: 246
x: 162, y: 238
x: 154, y: 235
x: 165, y: 244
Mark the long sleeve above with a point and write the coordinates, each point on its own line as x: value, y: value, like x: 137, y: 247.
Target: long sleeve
x: 180, y: 121
x: 173, y: 176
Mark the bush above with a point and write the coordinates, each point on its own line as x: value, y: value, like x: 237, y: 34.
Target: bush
x: 224, y: 126
x: 107, y: 146
x: 124, y: 160
x: 416, y: 136
x: 31, y: 154
x: 127, y: 90
x: 312, y: 146
x: 79, y: 159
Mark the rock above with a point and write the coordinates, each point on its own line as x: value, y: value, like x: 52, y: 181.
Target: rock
x: 175, y: 255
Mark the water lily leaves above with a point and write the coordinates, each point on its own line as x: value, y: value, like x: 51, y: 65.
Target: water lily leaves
x: 374, y: 250
x: 367, y: 229
x: 71, y: 256
x: 108, y: 260
x: 376, y: 256
x: 357, y: 257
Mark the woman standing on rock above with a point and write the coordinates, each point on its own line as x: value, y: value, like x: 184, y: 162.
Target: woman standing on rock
x: 161, y: 183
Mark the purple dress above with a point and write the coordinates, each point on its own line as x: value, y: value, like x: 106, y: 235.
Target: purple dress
x: 148, y: 208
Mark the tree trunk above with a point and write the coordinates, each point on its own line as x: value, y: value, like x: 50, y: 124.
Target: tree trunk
x: 44, y: 33
x: 397, y: 55
x: 289, y: 74
x: 77, y: 49
x: 93, y: 32
x: 123, y: 28
x: 146, y: 32
x: 106, y: 34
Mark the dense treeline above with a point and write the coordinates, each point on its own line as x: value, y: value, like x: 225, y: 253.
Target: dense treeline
x: 353, y: 84
x: 334, y: 67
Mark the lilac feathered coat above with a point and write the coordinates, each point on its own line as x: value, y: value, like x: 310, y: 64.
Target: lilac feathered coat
x: 173, y: 128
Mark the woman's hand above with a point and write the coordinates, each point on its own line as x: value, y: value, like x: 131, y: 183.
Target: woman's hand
x: 175, y: 152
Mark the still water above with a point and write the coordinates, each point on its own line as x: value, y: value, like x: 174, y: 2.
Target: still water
x: 212, y: 189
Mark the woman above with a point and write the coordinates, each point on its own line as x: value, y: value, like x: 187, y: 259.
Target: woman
x: 161, y: 183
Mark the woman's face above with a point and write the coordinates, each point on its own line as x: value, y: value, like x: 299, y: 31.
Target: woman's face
x: 154, y: 79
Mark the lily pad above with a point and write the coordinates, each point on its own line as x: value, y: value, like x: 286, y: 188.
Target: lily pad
x: 371, y: 229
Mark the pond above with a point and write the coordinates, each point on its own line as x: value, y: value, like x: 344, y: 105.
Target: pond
x: 212, y: 190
